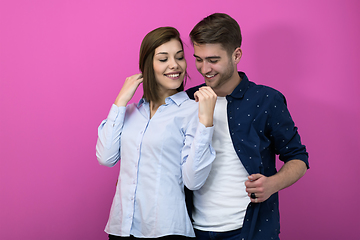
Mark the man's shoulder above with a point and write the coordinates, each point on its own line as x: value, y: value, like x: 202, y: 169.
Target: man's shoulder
x: 264, y: 91
x: 190, y: 92
x: 247, y: 88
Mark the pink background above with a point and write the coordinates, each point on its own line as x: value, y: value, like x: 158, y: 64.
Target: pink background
x: 62, y: 63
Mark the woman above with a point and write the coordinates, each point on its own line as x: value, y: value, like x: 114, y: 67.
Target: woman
x: 163, y: 142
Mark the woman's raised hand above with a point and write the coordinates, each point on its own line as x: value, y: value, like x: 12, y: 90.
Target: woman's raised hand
x: 128, y: 90
x: 207, y: 100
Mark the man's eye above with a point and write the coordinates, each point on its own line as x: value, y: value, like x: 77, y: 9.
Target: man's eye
x: 213, y: 61
x: 198, y: 60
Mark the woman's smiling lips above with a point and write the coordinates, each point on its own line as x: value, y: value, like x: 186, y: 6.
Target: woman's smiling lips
x: 173, y: 75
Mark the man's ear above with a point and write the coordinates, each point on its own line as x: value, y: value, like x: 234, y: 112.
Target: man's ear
x: 237, y: 55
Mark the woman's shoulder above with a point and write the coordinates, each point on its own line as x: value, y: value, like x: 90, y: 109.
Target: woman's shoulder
x: 181, y: 99
x: 189, y: 103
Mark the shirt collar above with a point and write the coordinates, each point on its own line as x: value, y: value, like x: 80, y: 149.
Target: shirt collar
x: 177, y: 98
x: 240, y: 89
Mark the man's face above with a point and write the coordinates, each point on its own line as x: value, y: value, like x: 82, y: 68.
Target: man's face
x: 214, y: 63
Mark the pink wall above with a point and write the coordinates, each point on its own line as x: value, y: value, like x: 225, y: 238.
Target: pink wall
x: 63, y: 62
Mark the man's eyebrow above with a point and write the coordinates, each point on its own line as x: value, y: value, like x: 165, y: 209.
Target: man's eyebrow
x: 209, y: 57
x: 168, y: 53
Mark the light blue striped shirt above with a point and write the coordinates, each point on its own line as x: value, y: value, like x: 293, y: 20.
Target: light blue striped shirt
x: 158, y: 156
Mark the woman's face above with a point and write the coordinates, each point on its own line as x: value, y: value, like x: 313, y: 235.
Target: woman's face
x: 169, y: 66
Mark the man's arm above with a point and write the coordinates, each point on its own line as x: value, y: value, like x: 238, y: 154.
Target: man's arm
x: 263, y: 187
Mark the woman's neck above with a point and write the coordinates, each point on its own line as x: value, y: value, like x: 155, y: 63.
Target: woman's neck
x: 154, y: 106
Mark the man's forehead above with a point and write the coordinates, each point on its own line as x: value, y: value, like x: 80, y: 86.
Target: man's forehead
x: 208, y: 50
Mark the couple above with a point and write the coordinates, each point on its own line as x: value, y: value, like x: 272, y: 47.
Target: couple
x: 167, y: 141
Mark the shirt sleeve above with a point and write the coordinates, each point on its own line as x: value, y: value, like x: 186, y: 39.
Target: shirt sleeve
x: 109, y: 136
x: 285, y: 134
x: 197, y: 154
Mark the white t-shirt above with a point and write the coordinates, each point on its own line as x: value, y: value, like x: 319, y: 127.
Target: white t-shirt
x: 221, y: 203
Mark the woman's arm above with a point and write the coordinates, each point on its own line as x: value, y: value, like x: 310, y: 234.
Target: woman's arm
x: 109, y: 131
x: 197, y: 165
x: 109, y: 136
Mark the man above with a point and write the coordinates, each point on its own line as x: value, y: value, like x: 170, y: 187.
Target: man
x: 239, y: 200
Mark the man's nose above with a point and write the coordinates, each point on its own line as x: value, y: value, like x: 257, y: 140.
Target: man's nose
x: 205, y: 68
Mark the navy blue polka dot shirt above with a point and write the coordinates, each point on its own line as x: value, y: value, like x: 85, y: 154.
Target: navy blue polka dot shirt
x: 261, y: 127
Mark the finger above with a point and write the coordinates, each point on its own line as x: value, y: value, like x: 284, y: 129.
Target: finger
x: 253, y: 195
x: 205, y: 87
x: 208, y: 89
x: 256, y: 200
x: 196, y: 96
x: 137, y: 77
x: 140, y: 78
x: 253, y: 186
x: 205, y: 91
x: 257, y: 193
x: 208, y: 95
x: 203, y: 94
x: 251, y: 189
x: 254, y: 177
x: 134, y: 77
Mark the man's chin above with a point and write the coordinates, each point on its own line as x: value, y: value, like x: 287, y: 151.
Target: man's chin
x: 209, y: 83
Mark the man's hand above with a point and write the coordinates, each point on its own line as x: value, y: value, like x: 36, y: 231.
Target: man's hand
x: 261, y: 186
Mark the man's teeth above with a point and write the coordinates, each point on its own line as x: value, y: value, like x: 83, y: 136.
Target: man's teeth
x: 173, y: 75
x: 209, y: 76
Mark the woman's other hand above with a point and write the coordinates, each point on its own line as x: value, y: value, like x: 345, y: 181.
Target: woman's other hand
x: 128, y: 90
x: 207, y: 100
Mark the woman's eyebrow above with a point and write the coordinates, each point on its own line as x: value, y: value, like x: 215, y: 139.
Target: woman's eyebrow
x: 168, y: 53
x: 161, y: 53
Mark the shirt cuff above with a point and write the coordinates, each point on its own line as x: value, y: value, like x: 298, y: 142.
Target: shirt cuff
x: 115, y: 112
x: 206, y: 133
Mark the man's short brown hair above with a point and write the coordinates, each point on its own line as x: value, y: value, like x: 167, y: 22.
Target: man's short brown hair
x: 218, y: 28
